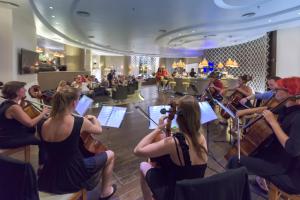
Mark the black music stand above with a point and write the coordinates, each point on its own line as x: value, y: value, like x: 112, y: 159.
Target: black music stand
x: 234, y: 117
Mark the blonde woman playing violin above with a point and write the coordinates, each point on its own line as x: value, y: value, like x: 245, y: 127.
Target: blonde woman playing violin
x: 184, y: 153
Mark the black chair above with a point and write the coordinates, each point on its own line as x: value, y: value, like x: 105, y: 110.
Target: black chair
x: 120, y: 93
x: 18, y: 180
x: 230, y: 185
x: 130, y: 89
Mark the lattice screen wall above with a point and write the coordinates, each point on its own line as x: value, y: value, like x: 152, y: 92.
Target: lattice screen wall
x: 151, y: 63
x: 251, y: 56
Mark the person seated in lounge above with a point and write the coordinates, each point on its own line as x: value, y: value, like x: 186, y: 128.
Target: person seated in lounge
x: 183, y: 155
x: 66, y: 169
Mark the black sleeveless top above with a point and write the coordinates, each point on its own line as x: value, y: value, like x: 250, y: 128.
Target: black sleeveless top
x: 64, y: 170
x: 9, y: 127
x: 162, y: 180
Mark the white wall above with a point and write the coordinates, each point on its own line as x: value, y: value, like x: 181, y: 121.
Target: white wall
x: 17, y: 31
x: 6, y: 71
x: 288, y: 52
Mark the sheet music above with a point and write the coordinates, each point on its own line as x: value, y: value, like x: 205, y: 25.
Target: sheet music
x: 112, y: 116
x: 83, y: 105
x: 207, y: 113
x: 154, y: 113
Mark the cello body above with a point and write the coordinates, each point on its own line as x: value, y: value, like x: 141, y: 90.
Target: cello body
x: 233, y: 102
x: 89, y: 145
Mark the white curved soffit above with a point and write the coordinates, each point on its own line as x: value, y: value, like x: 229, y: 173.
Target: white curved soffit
x: 219, y: 23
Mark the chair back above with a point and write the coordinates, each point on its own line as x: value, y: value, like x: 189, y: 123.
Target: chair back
x: 230, y: 185
x: 18, y: 180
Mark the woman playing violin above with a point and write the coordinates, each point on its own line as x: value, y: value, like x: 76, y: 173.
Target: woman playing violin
x: 279, y: 160
x: 185, y: 153
x: 66, y: 170
x: 16, y: 127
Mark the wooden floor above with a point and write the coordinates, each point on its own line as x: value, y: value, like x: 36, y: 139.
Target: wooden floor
x: 134, y: 127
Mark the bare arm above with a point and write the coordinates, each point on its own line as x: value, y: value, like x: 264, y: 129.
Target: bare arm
x: 145, y: 148
x: 91, y: 125
x: 250, y: 111
x: 247, y: 91
x: 16, y: 112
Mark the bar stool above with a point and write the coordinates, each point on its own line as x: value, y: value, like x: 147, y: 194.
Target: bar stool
x: 186, y: 85
x: 172, y: 84
x: 26, y: 149
x: 164, y: 83
x: 275, y: 194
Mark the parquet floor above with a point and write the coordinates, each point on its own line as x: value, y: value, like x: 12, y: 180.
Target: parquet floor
x: 134, y: 127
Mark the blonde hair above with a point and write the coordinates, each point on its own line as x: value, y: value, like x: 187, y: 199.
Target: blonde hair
x: 62, y: 99
x: 188, y: 120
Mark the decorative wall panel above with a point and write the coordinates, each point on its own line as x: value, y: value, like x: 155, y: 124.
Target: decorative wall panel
x: 251, y: 56
x: 137, y: 62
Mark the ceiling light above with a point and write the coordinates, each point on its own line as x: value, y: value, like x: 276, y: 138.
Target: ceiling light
x: 250, y: 14
x: 53, y: 16
x: 298, y: 13
x: 57, y: 23
x: 269, y: 20
x: 51, y: 7
x: 193, y: 31
x: 83, y: 13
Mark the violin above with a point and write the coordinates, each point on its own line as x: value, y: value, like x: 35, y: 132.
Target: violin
x: 256, y: 133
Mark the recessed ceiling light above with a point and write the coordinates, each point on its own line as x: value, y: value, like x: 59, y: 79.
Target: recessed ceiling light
x: 250, y: 14
x: 53, y: 16
x: 298, y: 13
x: 269, y: 20
x: 83, y: 13
x: 180, y: 34
x: 57, y: 23
x: 193, y: 31
x: 51, y: 7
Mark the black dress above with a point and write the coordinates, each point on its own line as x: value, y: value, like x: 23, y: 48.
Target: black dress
x: 13, y: 134
x: 66, y: 170
x: 162, y: 180
x: 280, y: 165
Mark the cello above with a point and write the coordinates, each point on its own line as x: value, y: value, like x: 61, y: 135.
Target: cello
x: 256, y: 133
x: 233, y: 102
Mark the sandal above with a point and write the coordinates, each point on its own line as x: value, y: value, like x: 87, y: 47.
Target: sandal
x: 114, y: 186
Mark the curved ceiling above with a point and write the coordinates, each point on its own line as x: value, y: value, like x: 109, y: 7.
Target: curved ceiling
x: 166, y: 28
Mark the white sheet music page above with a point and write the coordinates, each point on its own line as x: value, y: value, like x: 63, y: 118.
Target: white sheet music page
x: 83, y: 105
x: 112, y: 116
x: 154, y: 113
x: 207, y: 113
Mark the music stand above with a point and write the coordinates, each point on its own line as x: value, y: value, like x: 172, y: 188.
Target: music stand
x: 234, y: 117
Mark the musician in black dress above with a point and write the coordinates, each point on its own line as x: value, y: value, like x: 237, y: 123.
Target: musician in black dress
x: 279, y: 160
x: 17, y: 129
x: 184, y: 153
x: 66, y: 169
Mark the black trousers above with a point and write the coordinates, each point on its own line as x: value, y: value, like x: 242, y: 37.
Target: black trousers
x: 272, y: 172
x: 24, y: 138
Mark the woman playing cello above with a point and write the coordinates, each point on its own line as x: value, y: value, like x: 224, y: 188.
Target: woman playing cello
x: 185, y: 153
x: 66, y: 170
x: 16, y: 127
x: 279, y: 160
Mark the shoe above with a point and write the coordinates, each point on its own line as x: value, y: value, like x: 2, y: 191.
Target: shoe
x: 114, y: 186
x: 261, y: 182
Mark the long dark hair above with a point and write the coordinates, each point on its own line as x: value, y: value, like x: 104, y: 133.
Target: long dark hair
x: 188, y: 120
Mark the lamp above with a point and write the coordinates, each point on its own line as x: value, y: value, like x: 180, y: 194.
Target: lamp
x: 235, y: 64
x: 174, y: 65
x: 38, y: 50
x: 229, y: 63
x: 203, y: 63
x: 220, y: 65
x: 181, y: 64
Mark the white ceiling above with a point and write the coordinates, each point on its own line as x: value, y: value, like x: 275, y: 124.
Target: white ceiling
x: 166, y: 28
